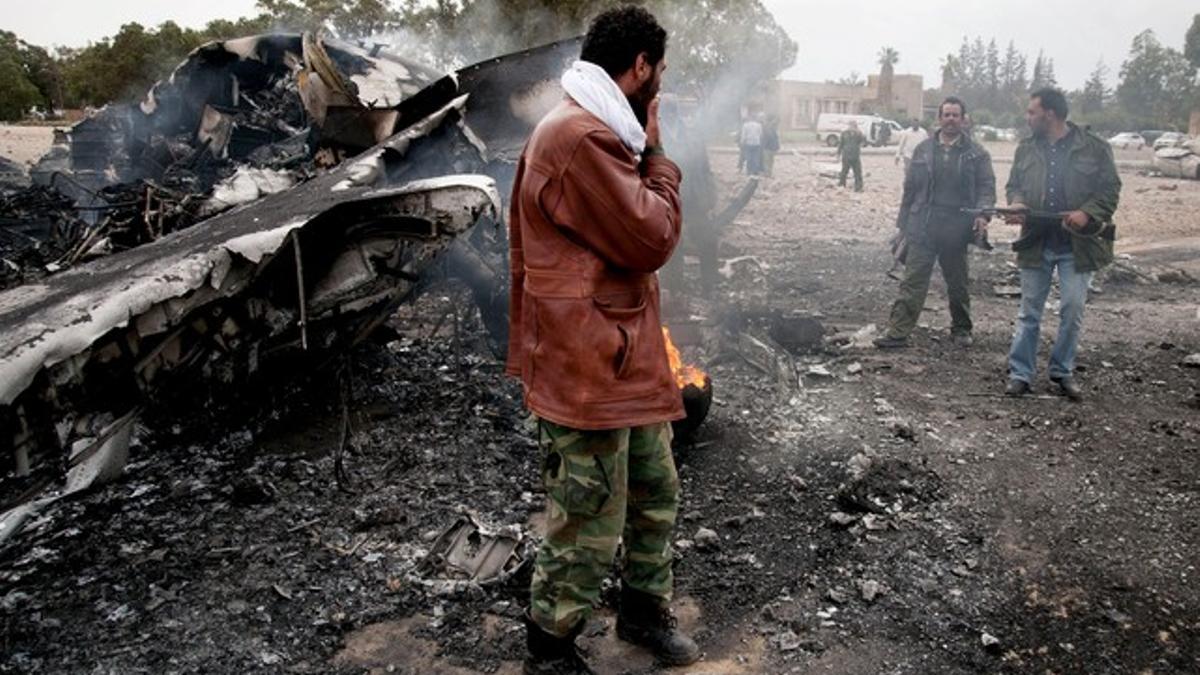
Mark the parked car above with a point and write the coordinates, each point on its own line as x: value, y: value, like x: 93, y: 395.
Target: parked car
x: 986, y: 132
x: 1128, y: 140
x: 1171, y: 139
x: 831, y: 125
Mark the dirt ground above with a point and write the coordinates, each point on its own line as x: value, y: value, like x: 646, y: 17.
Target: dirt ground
x: 887, y: 513
x: 25, y: 144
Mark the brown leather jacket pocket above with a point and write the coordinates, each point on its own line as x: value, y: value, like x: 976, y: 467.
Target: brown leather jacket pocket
x: 626, y: 320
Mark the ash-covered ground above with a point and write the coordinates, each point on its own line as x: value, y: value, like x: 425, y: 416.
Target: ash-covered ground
x: 883, y: 513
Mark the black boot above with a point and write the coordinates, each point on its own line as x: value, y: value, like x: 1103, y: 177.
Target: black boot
x: 550, y: 655
x: 646, y: 621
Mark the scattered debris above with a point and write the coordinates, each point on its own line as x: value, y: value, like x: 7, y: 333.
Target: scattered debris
x: 870, y: 590
x: 990, y: 642
x: 797, y: 334
x: 706, y: 539
x: 484, y: 555
x: 315, y: 256
x: 1181, y: 162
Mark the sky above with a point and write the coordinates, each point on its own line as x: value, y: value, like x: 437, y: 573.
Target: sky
x: 836, y: 37
x: 840, y: 36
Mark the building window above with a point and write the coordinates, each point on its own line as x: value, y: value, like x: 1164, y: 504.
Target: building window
x: 801, y: 113
x: 843, y: 107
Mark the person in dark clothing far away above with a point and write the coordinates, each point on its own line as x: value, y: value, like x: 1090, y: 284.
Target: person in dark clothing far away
x: 850, y: 150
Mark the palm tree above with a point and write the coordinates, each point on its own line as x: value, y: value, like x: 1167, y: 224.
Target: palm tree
x: 888, y: 57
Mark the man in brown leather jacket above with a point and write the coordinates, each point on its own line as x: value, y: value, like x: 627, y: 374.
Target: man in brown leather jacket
x: 595, y: 212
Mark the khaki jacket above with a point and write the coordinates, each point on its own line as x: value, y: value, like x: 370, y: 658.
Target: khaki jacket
x: 1093, y: 187
x: 589, y: 227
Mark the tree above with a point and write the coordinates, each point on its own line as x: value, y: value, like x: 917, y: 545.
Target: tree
x: 951, y: 73
x: 725, y: 45
x: 1191, y: 43
x: 20, y: 94
x: 28, y: 65
x: 888, y: 58
x: 1158, y: 84
x: 1095, y: 92
x: 991, y: 79
x: 1191, y: 50
x: 1039, y: 72
x: 345, y: 18
x: 852, y: 80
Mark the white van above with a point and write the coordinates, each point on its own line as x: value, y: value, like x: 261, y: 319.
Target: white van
x: 831, y: 125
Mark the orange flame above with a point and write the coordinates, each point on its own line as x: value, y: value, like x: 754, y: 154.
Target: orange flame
x: 684, y: 374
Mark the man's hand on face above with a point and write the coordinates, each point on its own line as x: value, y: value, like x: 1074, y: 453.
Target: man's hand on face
x: 981, y: 226
x: 653, y: 138
x: 1016, y: 218
x: 1076, y: 220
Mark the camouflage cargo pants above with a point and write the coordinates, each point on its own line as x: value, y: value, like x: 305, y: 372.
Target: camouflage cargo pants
x: 602, y: 487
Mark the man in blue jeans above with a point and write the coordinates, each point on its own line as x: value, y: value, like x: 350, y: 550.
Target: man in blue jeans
x: 1067, y: 172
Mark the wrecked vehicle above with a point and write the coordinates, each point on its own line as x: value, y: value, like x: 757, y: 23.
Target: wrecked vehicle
x: 1182, y: 161
x: 226, y: 233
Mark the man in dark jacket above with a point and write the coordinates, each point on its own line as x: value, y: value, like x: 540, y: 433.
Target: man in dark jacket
x: 949, y: 172
x: 1067, y: 171
x: 849, y: 149
x: 595, y: 212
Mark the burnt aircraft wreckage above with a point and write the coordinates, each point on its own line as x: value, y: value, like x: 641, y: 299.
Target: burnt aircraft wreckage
x: 276, y: 198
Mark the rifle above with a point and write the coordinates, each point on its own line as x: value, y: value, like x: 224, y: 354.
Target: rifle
x: 1037, y: 222
x: 1030, y: 215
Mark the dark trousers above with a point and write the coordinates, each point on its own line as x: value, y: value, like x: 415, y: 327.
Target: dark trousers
x: 754, y: 160
x: 854, y: 164
x: 914, y: 287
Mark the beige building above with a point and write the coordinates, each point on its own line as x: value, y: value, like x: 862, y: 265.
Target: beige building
x: 798, y: 104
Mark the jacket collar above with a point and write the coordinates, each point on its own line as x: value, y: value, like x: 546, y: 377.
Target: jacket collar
x: 962, y: 141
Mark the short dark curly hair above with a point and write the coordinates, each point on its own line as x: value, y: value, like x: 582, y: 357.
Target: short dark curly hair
x: 1053, y: 99
x: 953, y: 100
x: 616, y: 37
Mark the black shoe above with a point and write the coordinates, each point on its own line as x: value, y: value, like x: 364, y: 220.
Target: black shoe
x: 644, y: 620
x: 1068, y: 388
x: 551, y: 655
x: 1016, y: 388
x: 887, y: 342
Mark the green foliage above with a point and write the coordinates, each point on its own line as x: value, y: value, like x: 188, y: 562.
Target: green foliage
x: 1158, y: 86
x: 708, y: 38
x: 1191, y: 43
x: 124, y: 66
x: 346, y: 18
x: 19, y: 93
x: 28, y: 77
x: 1095, y: 93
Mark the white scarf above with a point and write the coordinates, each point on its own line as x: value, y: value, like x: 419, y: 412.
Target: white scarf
x: 592, y: 87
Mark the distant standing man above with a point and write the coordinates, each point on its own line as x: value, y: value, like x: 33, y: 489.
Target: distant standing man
x: 910, y: 138
x: 770, y: 144
x: 595, y: 212
x: 1060, y: 169
x: 850, y: 150
x: 752, y: 143
x: 949, y: 172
